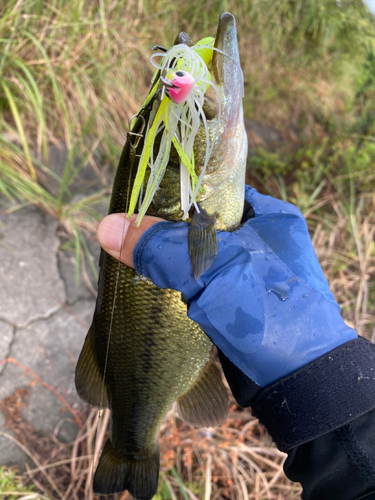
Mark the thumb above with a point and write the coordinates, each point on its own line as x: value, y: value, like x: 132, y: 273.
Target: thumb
x: 117, y: 229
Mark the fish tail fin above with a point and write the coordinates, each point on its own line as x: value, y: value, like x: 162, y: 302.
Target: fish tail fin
x: 137, y: 474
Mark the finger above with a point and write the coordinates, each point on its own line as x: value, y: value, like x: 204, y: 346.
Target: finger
x: 117, y: 234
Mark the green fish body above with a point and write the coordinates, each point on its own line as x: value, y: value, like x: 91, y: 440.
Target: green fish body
x: 155, y: 354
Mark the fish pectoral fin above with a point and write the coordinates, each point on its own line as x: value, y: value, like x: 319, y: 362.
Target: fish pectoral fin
x: 206, y: 404
x: 202, y: 241
x: 89, y: 376
x: 137, y: 474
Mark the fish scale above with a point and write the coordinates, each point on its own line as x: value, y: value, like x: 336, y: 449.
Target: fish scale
x: 148, y: 351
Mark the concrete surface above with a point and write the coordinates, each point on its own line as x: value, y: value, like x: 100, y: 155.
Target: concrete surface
x: 31, y: 287
x: 44, y: 318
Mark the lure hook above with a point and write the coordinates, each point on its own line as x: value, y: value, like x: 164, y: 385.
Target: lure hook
x: 167, y: 83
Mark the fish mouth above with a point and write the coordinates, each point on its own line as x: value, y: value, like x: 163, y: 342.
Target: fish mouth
x: 225, y: 71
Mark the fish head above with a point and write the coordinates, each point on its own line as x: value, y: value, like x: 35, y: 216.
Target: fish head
x: 221, y: 195
x: 222, y: 190
x: 222, y: 129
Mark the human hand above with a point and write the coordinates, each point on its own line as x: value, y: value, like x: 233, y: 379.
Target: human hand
x: 264, y: 301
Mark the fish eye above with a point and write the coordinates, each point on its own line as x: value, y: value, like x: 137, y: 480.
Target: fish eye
x: 180, y: 73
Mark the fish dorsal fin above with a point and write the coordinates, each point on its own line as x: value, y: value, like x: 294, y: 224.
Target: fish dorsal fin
x: 202, y: 241
x: 206, y: 404
x: 183, y: 38
x: 89, y: 376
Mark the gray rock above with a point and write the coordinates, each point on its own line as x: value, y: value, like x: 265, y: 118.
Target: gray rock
x: 87, y: 283
x: 47, y: 415
x: 6, y: 338
x: 37, y: 329
x: 50, y: 348
x: 83, y: 177
x: 30, y: 283
x: 10, y: 452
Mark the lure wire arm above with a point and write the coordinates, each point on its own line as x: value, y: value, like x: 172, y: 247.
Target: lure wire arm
x: 159, y: 47
x: 159, y: 95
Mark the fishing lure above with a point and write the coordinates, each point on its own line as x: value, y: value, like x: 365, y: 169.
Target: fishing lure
x: 179, y: 86
x: 184, y: 77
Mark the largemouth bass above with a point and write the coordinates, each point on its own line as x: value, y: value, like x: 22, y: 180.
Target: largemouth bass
x: 142, y: 352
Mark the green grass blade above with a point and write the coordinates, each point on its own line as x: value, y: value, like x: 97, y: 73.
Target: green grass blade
x: 60, y: 102
x: 77, y: 250
x: 18, y: 121
x: 180, y: 483
x: 38, y: 103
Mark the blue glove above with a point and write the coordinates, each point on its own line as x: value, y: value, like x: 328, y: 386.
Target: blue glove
x: 264, y: 302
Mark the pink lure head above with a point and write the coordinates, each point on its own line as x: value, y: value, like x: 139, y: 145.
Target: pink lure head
x: 183, y: 84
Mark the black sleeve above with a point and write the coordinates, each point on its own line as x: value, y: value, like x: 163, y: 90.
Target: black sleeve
x: 323, y: 417
x: 339, y: 465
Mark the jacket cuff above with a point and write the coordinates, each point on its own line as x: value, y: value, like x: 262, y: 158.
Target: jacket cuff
x: 320, y: 397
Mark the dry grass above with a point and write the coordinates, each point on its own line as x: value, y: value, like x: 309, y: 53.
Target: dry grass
x: 234, y: 461
x: 77, y: 71
x: 345, y: 246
